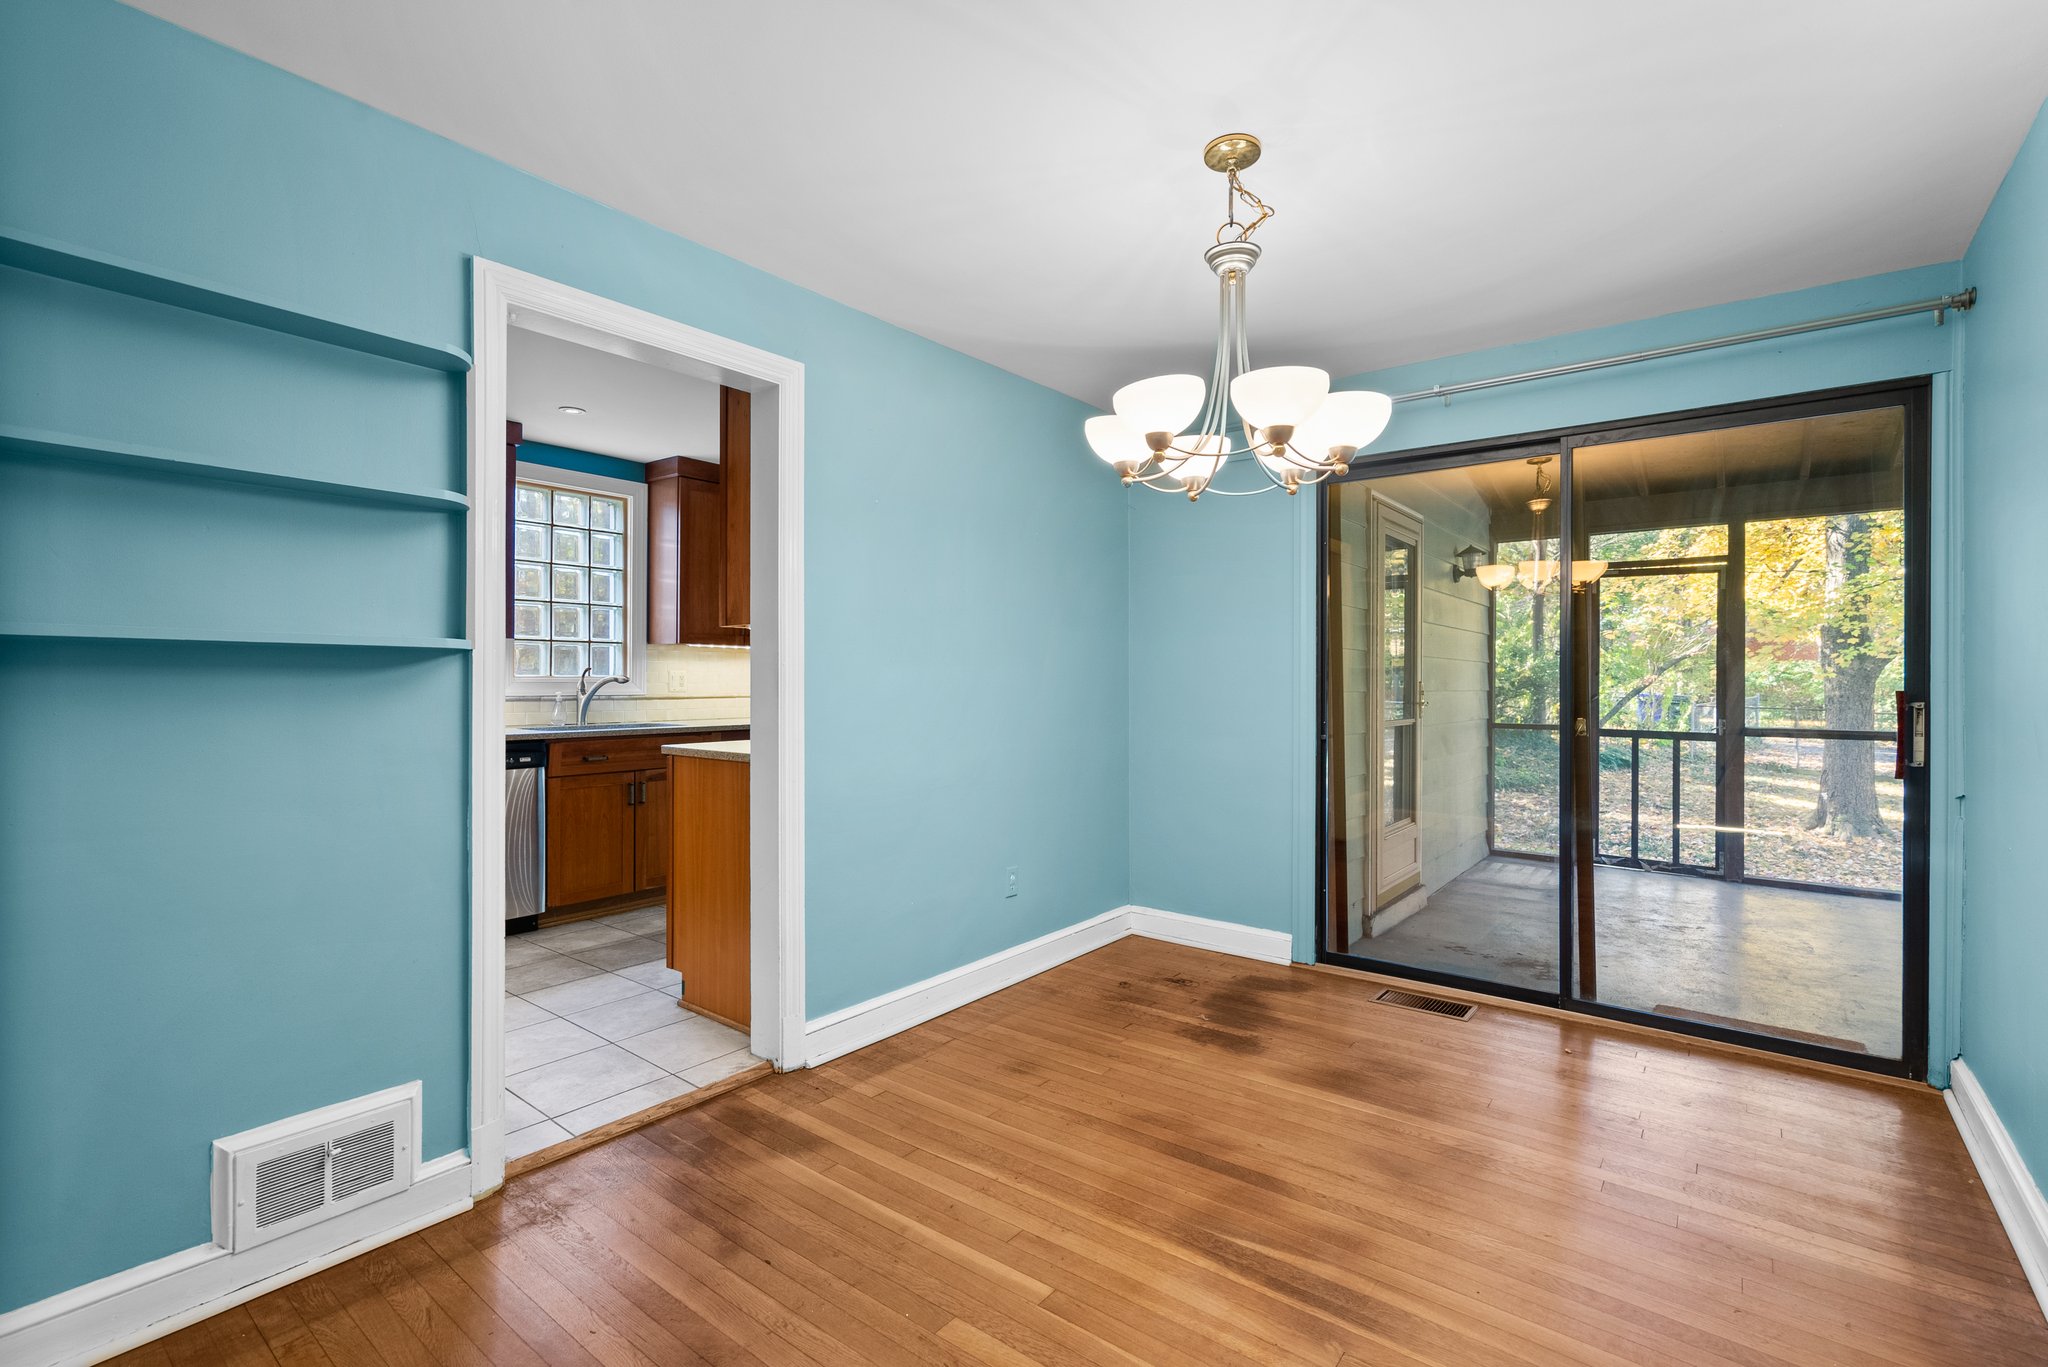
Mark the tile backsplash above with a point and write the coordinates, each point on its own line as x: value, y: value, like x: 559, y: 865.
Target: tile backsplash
x: 684, y: 683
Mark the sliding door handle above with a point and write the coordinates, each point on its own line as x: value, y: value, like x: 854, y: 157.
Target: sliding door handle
x: 1909, y: 742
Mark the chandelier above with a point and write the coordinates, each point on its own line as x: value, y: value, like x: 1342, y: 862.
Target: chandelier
x: 1537, y: 574
x: 1298, y: 430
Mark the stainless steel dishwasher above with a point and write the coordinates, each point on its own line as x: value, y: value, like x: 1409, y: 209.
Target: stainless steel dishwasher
x: 526, y: 834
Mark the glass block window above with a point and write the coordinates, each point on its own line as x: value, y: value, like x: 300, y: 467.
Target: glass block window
x: 568, y: 583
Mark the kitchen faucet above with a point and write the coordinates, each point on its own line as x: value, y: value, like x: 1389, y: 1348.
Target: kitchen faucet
x: 586, y: 693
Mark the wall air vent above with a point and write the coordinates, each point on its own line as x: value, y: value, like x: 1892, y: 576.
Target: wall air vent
x: 278, y: 1178
x: 1435, y: 1006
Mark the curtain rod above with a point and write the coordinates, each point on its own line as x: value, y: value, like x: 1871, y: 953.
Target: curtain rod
x: 1939, y: 306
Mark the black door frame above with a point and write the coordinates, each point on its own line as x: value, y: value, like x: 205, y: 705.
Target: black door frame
x: 1913, y: 395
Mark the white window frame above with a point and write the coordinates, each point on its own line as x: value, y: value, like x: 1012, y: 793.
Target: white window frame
x: 635, y: 568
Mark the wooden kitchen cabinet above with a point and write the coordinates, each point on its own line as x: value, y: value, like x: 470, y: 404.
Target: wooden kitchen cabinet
x: 592, y: 837
x: 686, y: 555
x: 651, y: 832
x: 736, y: 463
x: 609, y: 828
x: 709, y: 896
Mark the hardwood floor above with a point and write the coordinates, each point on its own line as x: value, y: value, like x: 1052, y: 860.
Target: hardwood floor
x: 1159, y: 1155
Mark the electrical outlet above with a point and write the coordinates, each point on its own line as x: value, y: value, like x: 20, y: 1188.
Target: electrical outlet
x: 1010, y: 881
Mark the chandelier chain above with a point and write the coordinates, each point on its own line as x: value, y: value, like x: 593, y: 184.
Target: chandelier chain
x: 1234, y: 193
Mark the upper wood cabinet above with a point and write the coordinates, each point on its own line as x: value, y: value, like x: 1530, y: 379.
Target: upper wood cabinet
x: 699, y: 537
x: 686, y: 555
x: 736, y: 457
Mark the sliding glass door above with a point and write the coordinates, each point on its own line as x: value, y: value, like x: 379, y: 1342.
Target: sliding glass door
x: 1443, y: 748
x: 1748, y: 633
x: 1623, y: 720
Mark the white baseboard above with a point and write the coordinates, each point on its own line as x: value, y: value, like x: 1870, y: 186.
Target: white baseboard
x: 96, y: 1321
x: 867, y: 1022
x: 2014, y: 1193
x: 876, y: 1019
x: 1225, y: 937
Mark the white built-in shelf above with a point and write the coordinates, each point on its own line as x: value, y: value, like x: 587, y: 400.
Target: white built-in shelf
x: 86, y: 266
x: 73, y: 631
x: 101, y: 451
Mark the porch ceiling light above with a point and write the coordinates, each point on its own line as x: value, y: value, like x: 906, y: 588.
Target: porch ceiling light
x: 1539, y: 574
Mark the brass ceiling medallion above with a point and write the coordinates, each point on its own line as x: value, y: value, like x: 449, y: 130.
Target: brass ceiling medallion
x: 1231, y: 152
x: 1297, y: 431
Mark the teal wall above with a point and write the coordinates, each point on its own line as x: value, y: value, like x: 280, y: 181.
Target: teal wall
x: 1222, y: 643
x: 2005, y: 427
x: 232, y: 876
x: 583, y: 462
x: 232, y: 879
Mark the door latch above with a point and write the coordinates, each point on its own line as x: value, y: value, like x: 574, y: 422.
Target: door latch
x: 1909, y: 744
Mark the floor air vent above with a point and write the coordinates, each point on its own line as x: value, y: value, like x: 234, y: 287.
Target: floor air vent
x: 1436, y: 1006
x: 271, y: 1181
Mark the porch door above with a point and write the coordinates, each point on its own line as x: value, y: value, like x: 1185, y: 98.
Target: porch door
x: 1397, y: 705
x: 1745, y: 814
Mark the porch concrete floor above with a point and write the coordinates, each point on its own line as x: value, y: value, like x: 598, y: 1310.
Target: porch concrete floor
x: 1814, y: 965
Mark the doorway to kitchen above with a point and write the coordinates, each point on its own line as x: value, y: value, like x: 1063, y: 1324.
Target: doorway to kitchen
x: 1668, y: 689
x: 635, y: 604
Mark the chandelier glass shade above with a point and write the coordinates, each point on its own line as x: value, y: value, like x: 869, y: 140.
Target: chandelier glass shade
x: 1174, y: 433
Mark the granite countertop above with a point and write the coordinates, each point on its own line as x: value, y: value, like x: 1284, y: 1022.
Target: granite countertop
x: 741, y: 750
x: 622, y: 728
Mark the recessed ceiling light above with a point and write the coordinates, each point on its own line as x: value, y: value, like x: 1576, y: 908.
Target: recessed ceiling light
x: 572, y: 410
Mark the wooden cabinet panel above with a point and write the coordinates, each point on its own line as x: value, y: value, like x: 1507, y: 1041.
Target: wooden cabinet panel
x: 709, y: 908
x: 591, y: 837
x: 651, y: 832
x: 736, y: 462
x: 686, y: 549
x: 606, y: 754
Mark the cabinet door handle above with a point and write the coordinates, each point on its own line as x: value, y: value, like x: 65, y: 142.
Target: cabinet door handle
x: 631, y: 790
x: 595, y: 759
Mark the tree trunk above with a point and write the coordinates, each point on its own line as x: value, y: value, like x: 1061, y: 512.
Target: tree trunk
x: 1850, y: 669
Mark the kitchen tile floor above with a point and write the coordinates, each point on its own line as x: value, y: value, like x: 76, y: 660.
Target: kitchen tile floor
x: 593, y: 1032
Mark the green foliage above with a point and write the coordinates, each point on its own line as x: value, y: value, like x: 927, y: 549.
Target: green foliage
x: 1658, y: 632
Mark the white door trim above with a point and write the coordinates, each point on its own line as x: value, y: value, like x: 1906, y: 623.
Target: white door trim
x: 499, y: 295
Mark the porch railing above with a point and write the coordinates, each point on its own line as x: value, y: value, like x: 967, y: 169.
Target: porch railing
x: 1670, y: 831
x: 1635, y: 738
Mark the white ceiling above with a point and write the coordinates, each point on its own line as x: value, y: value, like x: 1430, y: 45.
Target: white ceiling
x: 1023, y: 181
x: 637, y: 411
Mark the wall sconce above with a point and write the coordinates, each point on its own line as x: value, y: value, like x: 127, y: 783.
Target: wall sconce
x: 1465, y: 563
